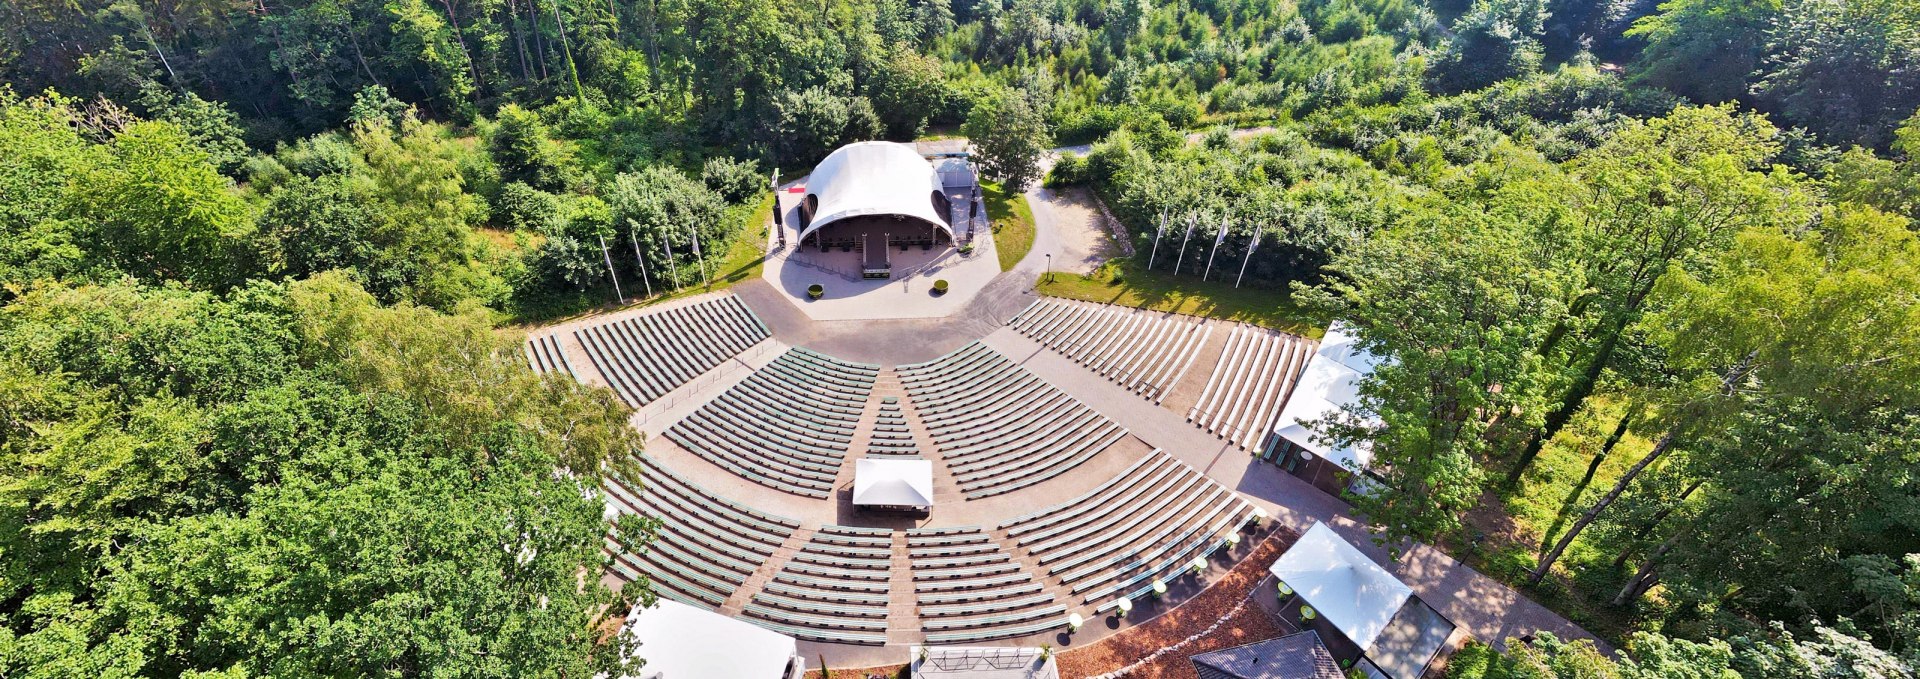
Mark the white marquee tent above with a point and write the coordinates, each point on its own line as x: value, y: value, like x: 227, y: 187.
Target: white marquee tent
x: 892, y: 483
x: 874, y: 178
x: 1347, y: 588
x: 680, y: 641
x: 1330, y: 381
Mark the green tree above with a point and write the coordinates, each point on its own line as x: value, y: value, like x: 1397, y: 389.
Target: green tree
x: 1631, y: 226
x: 160, y: 210
x: 1704, y: 50
x: 907, y: 89
x: 663, y: 208
x: 179, y: 469
x: 1008, y: 136
x: 734, y: 180
x: 1493, y: 41
x: 1456, y: 303
x: 1849, y: 71
x: 525, y: 151
x: 812, y: 122
x: 1825, y: 321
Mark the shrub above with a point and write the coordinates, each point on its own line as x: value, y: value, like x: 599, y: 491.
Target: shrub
x: 815, y: 291
x: 735, y: 180
x: 1070, y: 170
x: 940, y: 286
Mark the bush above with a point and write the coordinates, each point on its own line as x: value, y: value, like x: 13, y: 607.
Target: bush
x: 815, y: 291
x: 1070, y: 170
x: 940, y: 286
x: 735, y: 180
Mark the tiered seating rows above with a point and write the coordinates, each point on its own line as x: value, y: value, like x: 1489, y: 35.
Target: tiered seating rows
x: 834, y: 589
x: 1143, y: 351
x: 646, y: 356
x: 787, y: 426
x: 708, y: 545
x: 544, y: 354
x: 1142, y: 525
x: 891, y: 435
x: 999, y: 427
x: 1250, y: 384
x: 969, y: 590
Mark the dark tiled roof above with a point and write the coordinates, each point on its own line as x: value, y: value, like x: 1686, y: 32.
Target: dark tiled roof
x: 1295, y: 656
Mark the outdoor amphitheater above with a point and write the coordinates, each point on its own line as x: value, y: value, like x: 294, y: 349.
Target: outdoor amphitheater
x: 1021, y: 471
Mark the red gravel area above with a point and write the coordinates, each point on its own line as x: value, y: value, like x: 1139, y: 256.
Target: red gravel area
x: 888, y: 671
x: 1189, y: 618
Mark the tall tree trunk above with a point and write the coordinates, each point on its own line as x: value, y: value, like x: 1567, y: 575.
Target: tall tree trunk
x: 359, y: 55
x: 1576, y: 396
x: 1727, y: 380
x: 1654, y: 522
x: 459, y: 37
x: 650, y: 31
x: 567, y: 49
x: 539, y: 38
x: 520, y: 41
x: 1644, y: 579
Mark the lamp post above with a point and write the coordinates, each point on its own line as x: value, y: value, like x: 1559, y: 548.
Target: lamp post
x: 1049, y: 267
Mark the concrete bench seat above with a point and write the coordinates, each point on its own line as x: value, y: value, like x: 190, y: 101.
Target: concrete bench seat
x: 1054, y: 611
x: 991, y: 606
x: 979, y: 594
x: 819, y: 607
x: 813, y: 621
x: 990, y: 634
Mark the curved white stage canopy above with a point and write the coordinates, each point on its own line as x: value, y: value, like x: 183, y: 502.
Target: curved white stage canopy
x: 874, y: 178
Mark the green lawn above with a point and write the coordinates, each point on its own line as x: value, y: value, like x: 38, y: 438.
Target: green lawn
x: 1123, y: 282
x: 1012, y: 224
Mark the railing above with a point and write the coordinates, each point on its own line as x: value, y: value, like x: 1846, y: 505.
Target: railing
x: 698, y: 385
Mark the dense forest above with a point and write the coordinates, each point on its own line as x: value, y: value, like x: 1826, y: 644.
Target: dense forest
x: 257, y: 415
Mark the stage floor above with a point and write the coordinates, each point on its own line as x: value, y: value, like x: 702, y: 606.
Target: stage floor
x: 907, y: 294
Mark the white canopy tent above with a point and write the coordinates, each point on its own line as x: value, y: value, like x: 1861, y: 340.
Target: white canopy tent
x: 680, y: 641
x: 1354, y: 594
x: 1330, y: 381
x: 874, y: 178
x: 892, y: 483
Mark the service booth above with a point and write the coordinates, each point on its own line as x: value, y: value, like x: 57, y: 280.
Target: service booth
x: 679, y: 641
x: 1367, y: 617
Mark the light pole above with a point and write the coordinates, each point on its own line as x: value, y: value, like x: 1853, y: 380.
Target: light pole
x: 1049, y: 267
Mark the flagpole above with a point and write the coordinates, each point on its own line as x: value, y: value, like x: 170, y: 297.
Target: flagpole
x: 699, y: 258
x: 1217, y: 238
x: 1243, y: 263
x: 779, y: 221
x: 633, y: 235
x: 1183, y: 245
x: 666, y: 244
x: 1156, y: 239
x: 616, y: 279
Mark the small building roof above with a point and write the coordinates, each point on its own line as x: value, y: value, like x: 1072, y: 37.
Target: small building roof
x: 679, y: 641
x: 893, y: 483
x: 874, y: 178
x: 1347, y: 588
x: 1296, y: 656
x: 1329, y: 382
